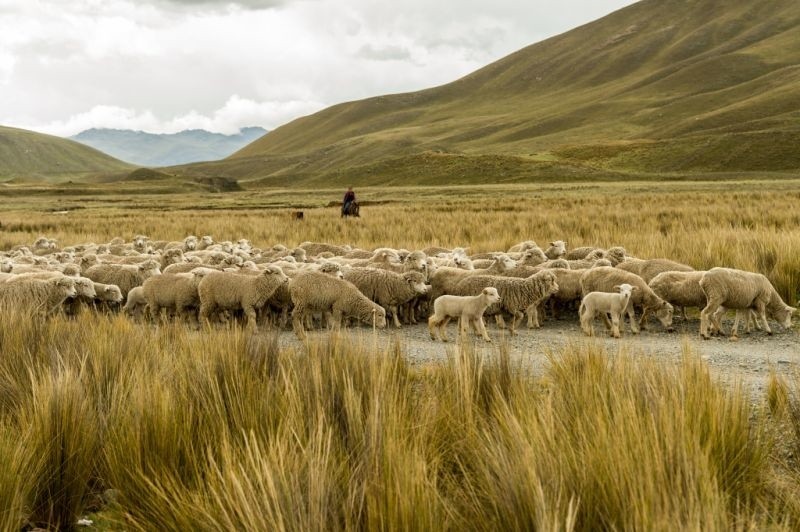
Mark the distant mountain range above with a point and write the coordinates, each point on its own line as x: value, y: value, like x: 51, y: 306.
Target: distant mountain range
x: 157, y: 150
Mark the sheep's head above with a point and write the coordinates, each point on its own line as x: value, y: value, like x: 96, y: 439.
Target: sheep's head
x: 206, y: 241
x: 299, y: 254
x: 784, y: 316
x: 506, y: 263
x: 332, y: 269
x: 88, y: 260
x: 173, y: 256
x: 85, y: 287
x: 112, y: 293
x: 71, y: 270
x: 139, y: 242
x: 549, y: 279
x: 664, y: 314
x: 533, y: 257
x: 417, y: 282
x: 150, y: 267
x: 464, y: 263
x: 67, y: 285
x: 625, y: 289
x: 6, y: 266
x: 491, y: 295
x: 275, y: 273
x: 557, y: 249
x: 558, y: 263
x: 190, y: 242
x: 616, y: 255
x: 417, y: 261
x: 378, y: 316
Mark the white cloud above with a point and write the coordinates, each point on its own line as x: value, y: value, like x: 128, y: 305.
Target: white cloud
x: 158, y: 65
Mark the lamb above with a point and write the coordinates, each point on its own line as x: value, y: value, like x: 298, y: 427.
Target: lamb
x: 317, y: 292
x: 737, y: 289
x: 136, y: 303
x: 603, y: 303
x: 556, y: 250
x: 648, y: 269
x: 469, y: 310
x: 517, y: 294
x: 42, y: 296
x: 604, y: 279
x: 234, y: 291
x: 176, y: 292
x: 388, y: 289
x: 125, y: 277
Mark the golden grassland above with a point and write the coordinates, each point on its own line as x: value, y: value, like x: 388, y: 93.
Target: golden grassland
x: 752, y: 225
x: 162, y: 431
x: 165, y: 428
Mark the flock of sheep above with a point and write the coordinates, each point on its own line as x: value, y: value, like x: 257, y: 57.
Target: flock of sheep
x: 324, y: 285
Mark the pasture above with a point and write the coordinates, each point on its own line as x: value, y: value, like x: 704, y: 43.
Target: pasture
x: 144, y: 427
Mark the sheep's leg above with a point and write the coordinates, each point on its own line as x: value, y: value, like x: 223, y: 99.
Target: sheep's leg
x: 632, y: 318
x: 586, y: 321
x: 498, y: 319
x: 335, y: 318
x: 761, y: 309
x: 252, y: 318
x: 482, y: 328
x: 205, y: 314
x: 297, y: 323
x: 645, y: 316
x: 395, y: 315
x: 606, y: 321
x: 707, y: 315
x: 615, y: 324
x: 533, y: 316
x: 716, y: 321
x: 516, y: 318
x: 463, y: 325
x: 433, y: 324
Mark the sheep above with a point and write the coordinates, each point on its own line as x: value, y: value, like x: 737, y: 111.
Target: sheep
x: 137, y: 302
x: 486, y: 263
x: 204, y: 242
x: 388, y: 289
x: 517, y: 294
x: 556, y: 250
x: 107, y: 293
x: 603, y: 303
x: 317, y: 292
x: 737, y: 289
x: 648, y: 269
x: 527, y: 271
x: 523, y: 246
x: 444, y: 279
x: 315, y: 248
x: 569, y: 288
x: 187, y: 244
x: 616, y: 255
x: 125, y: 277
x: 177, y: 291
x: 234, y: 291
x: 581, y: 253
x: 469, y: 310
x: 42, y: 296
x: 605, y: 278
x: 680, y: 288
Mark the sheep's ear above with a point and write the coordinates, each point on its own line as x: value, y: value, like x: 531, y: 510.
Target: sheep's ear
x: 634, y: 289
x: 552, y: 243
x: 617, y: 288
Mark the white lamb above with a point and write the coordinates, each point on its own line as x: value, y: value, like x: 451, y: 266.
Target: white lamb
x: 469, y: 309
x: 604, y: 303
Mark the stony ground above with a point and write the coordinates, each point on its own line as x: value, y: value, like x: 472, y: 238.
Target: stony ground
x: 749, y: 360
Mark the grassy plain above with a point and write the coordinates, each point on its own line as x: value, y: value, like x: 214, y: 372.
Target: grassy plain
x: 160, y: 428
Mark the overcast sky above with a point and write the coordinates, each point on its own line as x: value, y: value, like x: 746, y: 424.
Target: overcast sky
x: 167, y: 65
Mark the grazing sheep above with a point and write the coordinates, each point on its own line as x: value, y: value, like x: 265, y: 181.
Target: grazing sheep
x: 649, y: 268
x: 518, y: 295
x: 388, y: 289
x: 125, y: 277
x: 737, y: 289
x: 337, y: 298
x: 176, y: 292
x: 556, y: 250
x: 234, y: 291
x: 469, y: 310
x: 604, y: 279
x: 605, y: 304
x: 680, y: 288
x: 42, y: 296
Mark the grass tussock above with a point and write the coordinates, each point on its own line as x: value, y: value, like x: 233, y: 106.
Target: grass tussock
x: 237, y: 433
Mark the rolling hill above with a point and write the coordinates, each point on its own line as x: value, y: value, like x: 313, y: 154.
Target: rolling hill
x: 675, y: 88
x: 153, y: 150
x: 30, y: 156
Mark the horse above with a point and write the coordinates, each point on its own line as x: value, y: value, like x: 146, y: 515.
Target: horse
x: 351, y: 210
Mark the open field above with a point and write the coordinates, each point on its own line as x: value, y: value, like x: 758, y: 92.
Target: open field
x: 147, y: 427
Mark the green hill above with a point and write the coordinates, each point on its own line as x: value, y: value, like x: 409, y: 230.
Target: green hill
x: 677, y: 87
x: 29, y: 156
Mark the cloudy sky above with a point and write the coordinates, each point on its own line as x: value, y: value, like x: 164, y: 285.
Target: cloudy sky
x: 167, y: 65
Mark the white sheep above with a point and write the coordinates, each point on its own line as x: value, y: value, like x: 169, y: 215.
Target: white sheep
x: 42, y: 296
x: 737, y: 289
x: 388, y: 289
x: 176, y: 292
x: 469, y: 310
x: 606, y: 304
x: 126, y: 277
x: 235, y: 291
x: 556, y: 250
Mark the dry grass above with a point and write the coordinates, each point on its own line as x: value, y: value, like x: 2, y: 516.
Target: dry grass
x: 232, y: 433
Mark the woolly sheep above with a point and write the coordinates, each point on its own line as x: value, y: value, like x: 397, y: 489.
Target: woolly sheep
x: 204, y: 242
x: 125, y: 277
x: 136, y: 303
x: 605, y: 304
x: 556, y: 250
x: 234, y: 291
x: 315, y: 248
x: 517, y: 295
x: 737, y: 289
x: 649, y: 268
x: 317, y: 292
x: 445, y: 279
x: 680, y: 288
x: 616, y: 255
x: 42, y: 296
x: 108, y: 293
x: 581, y: 252
x: 388, y: 289
x: 177, y: 292
x: 604, y: 279
x: 523, y: 246
x: 469, y: 310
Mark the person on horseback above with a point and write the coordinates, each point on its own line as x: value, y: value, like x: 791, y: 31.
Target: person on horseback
x: 349, y: 198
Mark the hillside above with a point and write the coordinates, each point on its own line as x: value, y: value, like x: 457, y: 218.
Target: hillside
x: 30, y: 156
x: 675, y: 87
x: 153, y: 150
